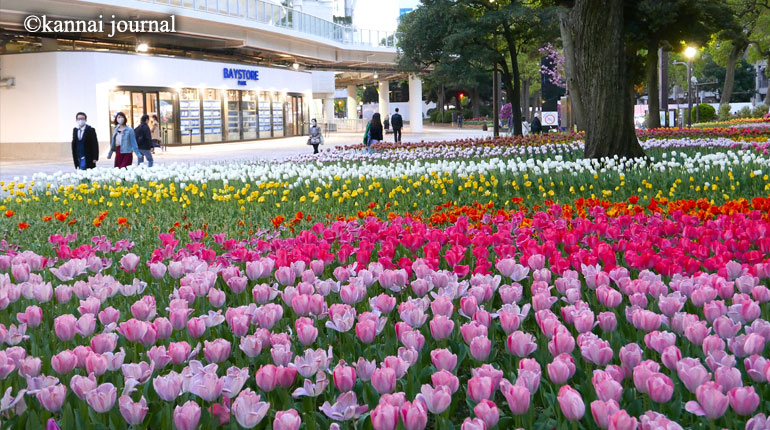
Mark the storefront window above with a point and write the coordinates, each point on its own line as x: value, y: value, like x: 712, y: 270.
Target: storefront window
x: 167, y: 118
x: 278, y: 99
x: 190, y: 116
x: 212, y: 116
x: 249, y: 114
x: 120, y: 101
x: 233, y: 129
x: 264, y: 115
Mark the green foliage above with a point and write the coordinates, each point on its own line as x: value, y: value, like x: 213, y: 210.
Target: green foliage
x: 745, y: 112
x: 760, y: 110
x: 724, y: 112
x: 705, y: 111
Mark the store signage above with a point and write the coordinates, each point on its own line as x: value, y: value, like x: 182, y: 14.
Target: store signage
x: 242, y: 75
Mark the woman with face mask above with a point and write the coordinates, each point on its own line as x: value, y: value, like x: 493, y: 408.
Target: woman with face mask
x: 316, y: 138
x: 123, y: 142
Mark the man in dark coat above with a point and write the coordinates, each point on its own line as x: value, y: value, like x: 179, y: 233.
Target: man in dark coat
x: 397, y: 123
x: 536, y: 127
x: 85, y: 146
x: 144, y: 141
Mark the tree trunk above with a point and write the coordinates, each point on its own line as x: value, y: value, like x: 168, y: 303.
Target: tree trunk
x: 476, y: 102
x: 653, y: 98
x: 441, y: 101
x: 515, y: 95
x: 602, y: 76
x: 727, y: 90
x: 663, y: 82
x: 525, y: 98
x: 569, y: 68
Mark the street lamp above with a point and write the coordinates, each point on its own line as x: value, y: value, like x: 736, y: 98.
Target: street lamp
x: 689, y: 52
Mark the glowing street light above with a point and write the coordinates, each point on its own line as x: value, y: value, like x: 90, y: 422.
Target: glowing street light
x: 690, y: 52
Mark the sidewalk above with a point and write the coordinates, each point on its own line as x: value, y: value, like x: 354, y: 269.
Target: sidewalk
x: 267, y: 149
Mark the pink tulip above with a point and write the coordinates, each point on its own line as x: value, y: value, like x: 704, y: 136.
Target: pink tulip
x: 81, y: 385
x: 670, y: 357
x: 517, y: 396
x: 571, y: 403
x: 443, y: 359
x: 488, y: 412
x: 561, y: 342
x: 607, y: 321
x: 385, y: 417
x: 32, y: 316
x: 521, y: 344
x: 441, y: 327
x: 169, y: 386
x: 384, y: 380
x: 344, y: 377
x: 216, y: 351
x: 266, y: 377
x: 196, y: 327
x: 104, y: 342
x: 607, y: 388
x: 561, y: 369
x: 248, y: 409
x: 743, y: 400
x: 414, y: 415
x: 692, y: 373
x: 129, y: 262
x: 602, y: 411
x: 660, y: 388
x: 64, y: 327
x: 287, y: 420
x: 186, y: 417
x: 711, y: 402
x: 63, y: 362
x: 728, y: 378
x: 102, y: 398
x: 96, y: 364
x: 480, y: 388
x: 133, y: 330
x: 620, y: 420
x: 52, y: 397
x: 437, y: 400
x: 133, y: 412
x: 480, y: 348
x: 179, y: 351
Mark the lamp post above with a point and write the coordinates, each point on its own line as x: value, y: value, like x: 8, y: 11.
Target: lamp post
x: 694, y: 81
x: 676, y: 96
x: 690, y: 54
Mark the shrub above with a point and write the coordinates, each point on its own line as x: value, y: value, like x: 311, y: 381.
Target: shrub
x: 724, y: 112
x: 760, y: 111
x: 707, y: 112
x: 745, y: 112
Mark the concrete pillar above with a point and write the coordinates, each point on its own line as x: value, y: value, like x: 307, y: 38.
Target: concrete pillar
x: 384, y: 99
x: 329, y: 108
x: 415, y: 104
x: 352, y: 103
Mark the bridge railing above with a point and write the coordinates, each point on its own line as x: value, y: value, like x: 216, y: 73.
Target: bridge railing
x: 280, y: 16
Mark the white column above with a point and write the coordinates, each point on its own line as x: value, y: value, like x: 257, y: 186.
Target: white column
x: 384, y: 99
x: 329, y: 108
x: 415, y: 104
x: 352, y: 103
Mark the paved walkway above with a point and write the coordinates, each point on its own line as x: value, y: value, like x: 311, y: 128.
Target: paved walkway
x: 241, y: 151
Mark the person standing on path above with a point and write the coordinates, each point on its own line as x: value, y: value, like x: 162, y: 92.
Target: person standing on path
x: 85, y: 146
x: 397, y: 123
x: 123, y: 142
x: 155, y: 131
x: 536, y: 127
x: 375, y: 130
x: 315, y: 138
x: 144, y: 141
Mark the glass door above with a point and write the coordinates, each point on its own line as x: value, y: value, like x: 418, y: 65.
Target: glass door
x: 232, y: 115
x: 150, y: 104
x: 290, y: 104
x: 137, y: 109
x: 264, y: 115
x: 249, y: 115
x: 167, y: 118
x: 120, y: 101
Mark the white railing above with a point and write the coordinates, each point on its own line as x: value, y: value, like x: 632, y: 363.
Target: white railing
x: 280, y: 16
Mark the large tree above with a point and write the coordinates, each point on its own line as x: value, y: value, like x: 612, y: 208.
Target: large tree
x: 474, y: 33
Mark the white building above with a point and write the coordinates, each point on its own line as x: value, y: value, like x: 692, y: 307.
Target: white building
x: 231, y: 70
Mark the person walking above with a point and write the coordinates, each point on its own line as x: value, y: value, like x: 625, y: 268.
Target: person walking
x: 315, y: 138
x: 123, y: 142
x: 85, y: 146
x: 386, y: 124
x: 536, y: 127
x: 155, y: 131
x: 375, y: 130
x: 144, y: 141
x: 460, y: 120
x: 397, y: 123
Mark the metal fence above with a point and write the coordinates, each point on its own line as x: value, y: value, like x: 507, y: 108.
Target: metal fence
x: 280, y: 16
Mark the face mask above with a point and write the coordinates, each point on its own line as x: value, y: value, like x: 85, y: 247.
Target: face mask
x: 81, y: 123
x: 121, y: 121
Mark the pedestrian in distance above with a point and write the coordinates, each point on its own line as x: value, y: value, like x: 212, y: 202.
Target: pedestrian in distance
x: 386, y: 124
x: 375, y: 130
x: 155, y: 131
x: 123, y: 142
x: 536, y: 127
x: 85, y: 146
x: 397, y: 123
x: 144, y: 141
x: 459, y: 120
x: 315, y: 138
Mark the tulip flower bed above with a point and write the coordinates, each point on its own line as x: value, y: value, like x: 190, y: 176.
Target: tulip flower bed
x: 598, y: 315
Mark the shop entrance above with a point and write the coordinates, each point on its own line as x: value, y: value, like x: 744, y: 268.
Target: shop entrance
x: 135, y: 103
